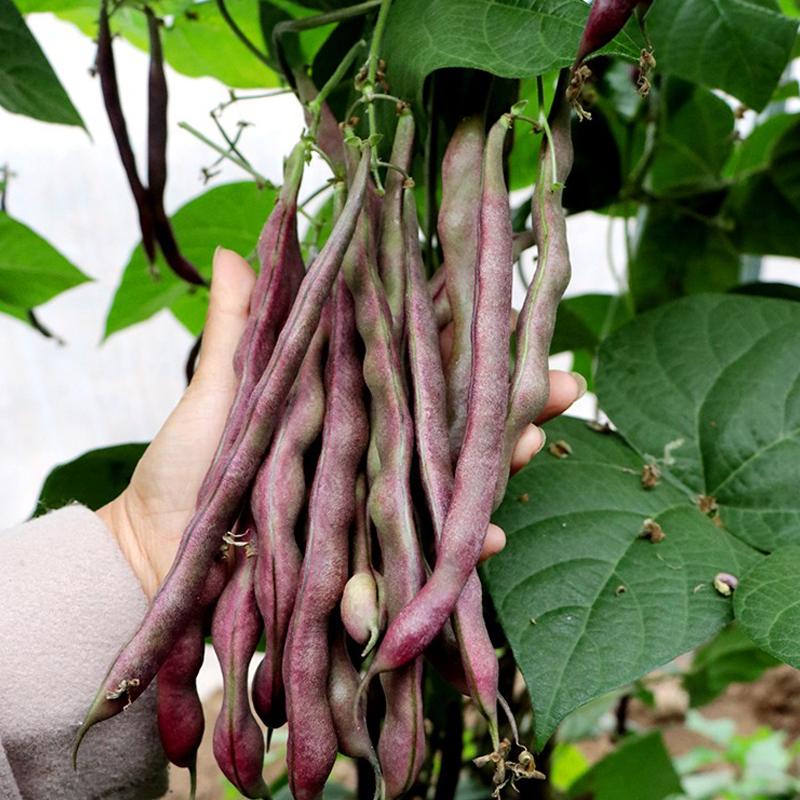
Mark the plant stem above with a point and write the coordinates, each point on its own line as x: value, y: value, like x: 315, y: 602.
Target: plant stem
x: 369, y: 86
x: 261, y: 181
x: 241, y: 35
x: 315, y: 106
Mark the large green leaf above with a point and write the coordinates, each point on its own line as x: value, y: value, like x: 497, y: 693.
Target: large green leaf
x: 731, y: 657
x: 709, y: 384
x: 28, y: 84
x: 640, y: 767
x: 32, y: 271
x: 765, y: 201
x: 509, y: 38
x: 94, y: 479
x: 230, y: 215
x: 741, y: 46
x: 767, y: 604
x: 586, y: 603
x: 584, y: 321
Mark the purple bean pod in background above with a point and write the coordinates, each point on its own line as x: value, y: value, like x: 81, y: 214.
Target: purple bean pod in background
x: 458, y: 229
x: 175, y: 603
x: 235, y: 632
x: 606, y: 19
x: 401, y: 747
x: 479, y: 462
x: 530, y: 385
x: 312, y: 742
x: 476, y: 652
x: 276, y: 501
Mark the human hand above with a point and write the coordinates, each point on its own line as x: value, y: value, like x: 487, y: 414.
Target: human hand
x: 150, y: 515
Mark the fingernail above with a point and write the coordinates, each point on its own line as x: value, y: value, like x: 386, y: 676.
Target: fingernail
x: 582, y: 385
x: 543, y: 442
x: 216, y: 253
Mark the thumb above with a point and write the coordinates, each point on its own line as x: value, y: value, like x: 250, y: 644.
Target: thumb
x: 232, y: 281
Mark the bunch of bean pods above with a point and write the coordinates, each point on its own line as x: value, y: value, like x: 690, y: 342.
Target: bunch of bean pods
x: 345, y: 509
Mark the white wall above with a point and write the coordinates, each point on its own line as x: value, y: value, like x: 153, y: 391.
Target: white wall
x: 57, y: 402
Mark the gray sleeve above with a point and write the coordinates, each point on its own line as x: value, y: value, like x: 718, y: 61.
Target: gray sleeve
x: 68, y: 602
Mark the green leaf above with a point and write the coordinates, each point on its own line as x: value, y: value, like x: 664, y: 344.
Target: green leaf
x: 681, y: 250
x: 510, y: 39
x: 94, y: 479
x: 740, y: 46
x: 767, y: 204
x: 230, y: 215
x: 14, y: 311
x: 32, y: 271
x: 584, y: 321
x: 709, y: 385
x: 586, y: 603
x: 766, y: 604
x: 731, y: 657
x: 694, y: 140
x: 640, y: 767
x: 28, y: 84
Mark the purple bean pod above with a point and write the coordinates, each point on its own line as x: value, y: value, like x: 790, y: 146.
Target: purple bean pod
x: 458, y: 229
x: 477, y: 656
x: 401, y: 747
x: 175, y: 603
x: 390, y: 248
x: 276, y: 501
x: 530, y: 385
x: 235, y: 631
x: 312, y: 743
x: 479, y: 462
x: 441, y: 302
x: 606, y: 19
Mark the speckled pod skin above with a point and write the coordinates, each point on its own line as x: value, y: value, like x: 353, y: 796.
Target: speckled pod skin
x: 458, y: 228
x: 276, y: 501
x: 360, y: 608
x: 479, y: 462
x: 606, y: 19
x: 401, y: 747
x: 312, y: 742
x: 390, y: 248
x: 235, y: 631
x: 175, y: 604
x: 475, y: 649
x: 530, y: 385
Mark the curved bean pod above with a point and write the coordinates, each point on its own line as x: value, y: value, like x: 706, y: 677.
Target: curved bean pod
x: 479, y: 462
x: 175, y: 603
x: 606, y: 19
x: 312, y: 743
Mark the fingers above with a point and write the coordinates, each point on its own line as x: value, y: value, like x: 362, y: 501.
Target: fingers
x: 527, y: 446
x: 565, y: 389
x: 494, y: 542
x: 232, y: 281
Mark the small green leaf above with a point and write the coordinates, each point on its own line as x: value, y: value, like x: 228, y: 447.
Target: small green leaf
x: 740, y: 46
x: 94, y: 479
x: 230, y: 215
x: 509, y: 39
x: 586, y: 603
x: 730, y: 657
x: 32, y: 271
x: 767, y: 607
x: 28, y: 84
x: 709, y: 385
x: 640, y: 767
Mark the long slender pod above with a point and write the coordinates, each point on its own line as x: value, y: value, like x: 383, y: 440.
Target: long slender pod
x: 360, y: 606
x: 352, y: 734
x: 107, y: 71
x: 458, y: 229
x: 401, y: 747
x: 276, y: 501
x: 606, y: 19
x: 235, y: 631
x: 279, y: 278
x: 530, y: 385
x: 174, y: 604
x: 479, y: 461
x: 390, y: 249
x: 312, y: 743
x: 178, y: 706
x: 477, y: 654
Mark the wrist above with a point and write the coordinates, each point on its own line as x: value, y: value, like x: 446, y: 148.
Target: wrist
x: 117, y: 518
